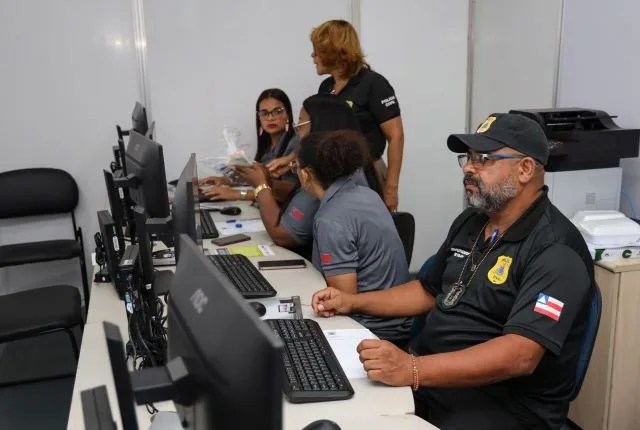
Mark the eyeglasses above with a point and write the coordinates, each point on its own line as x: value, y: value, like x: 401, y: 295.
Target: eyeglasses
x: 293, y: 165
x: 480, y: 159
x: 276, y: 113
x: 300, y: 124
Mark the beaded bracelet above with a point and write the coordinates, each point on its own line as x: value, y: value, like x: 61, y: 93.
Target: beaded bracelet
x: 416, y: 379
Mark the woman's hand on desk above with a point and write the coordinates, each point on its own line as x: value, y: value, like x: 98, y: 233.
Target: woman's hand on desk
x: 216, y: 181
x: 256, y: 175
x: 331, y: 301
x: 221, y: 193
x: 385, y: 362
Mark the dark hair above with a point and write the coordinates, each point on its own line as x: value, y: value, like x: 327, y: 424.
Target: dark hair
x: 264, y: 141
x: 333, y: 155
x: 329, y: 113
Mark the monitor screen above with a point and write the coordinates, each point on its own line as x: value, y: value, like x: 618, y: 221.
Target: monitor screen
x: 186, y: 206
x: 145, y: 160
x: 239, y: 376
x: 139, y: 121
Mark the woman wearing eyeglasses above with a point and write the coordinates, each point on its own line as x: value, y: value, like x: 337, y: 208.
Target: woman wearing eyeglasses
x: 276, y: 138
x: 290, y: 223
x: 356, y: 245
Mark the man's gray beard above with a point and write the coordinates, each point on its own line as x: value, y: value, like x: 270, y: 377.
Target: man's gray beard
x: 493, y: 199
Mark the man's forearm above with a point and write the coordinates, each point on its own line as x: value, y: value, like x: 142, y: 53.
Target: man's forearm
x: 404, y: 300
x: 394, y: 161
x: 496, y: 360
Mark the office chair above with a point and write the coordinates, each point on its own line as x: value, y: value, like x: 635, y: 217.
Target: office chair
x: 418, y: 322
x: 39, y: 192
x: 406, y: 226
x: 586, y: 349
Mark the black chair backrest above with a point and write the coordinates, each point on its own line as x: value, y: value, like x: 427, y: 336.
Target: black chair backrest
x: 406, y: 226
x: 591, y: 331
x: 37, y: 191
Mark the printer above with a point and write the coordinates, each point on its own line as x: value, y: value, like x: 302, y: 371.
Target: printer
x: 586, y: 146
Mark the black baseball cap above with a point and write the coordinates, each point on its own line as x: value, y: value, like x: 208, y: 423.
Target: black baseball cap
x: 504, y: 129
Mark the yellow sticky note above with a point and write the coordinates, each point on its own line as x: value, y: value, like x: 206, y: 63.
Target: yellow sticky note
x: 246, y: 250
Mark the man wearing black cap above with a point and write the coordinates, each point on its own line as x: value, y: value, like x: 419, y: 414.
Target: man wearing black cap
x: 507, y: 296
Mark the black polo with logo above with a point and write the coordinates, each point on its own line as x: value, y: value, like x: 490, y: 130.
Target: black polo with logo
x: 373, y: 100
x: 536, y: 282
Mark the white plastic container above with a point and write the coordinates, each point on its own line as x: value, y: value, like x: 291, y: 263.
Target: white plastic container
x: 610, y: 229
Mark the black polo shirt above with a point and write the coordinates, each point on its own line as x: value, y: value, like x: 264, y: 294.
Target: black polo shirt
x: 536, y: 282
x: 373, y: 101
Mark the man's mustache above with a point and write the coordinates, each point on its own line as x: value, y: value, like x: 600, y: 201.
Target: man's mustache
x: 470, y: 180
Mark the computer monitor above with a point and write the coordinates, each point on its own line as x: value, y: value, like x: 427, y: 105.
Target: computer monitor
x: 185, y: 211
x: 234, y: 356
x: 224, y: 366
x: 121, y: 378
x: 139, y: 119
x: 145, y: 161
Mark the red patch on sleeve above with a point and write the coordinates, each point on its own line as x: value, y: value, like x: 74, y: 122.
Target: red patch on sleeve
x: 296, y: 214
x: 326, y: 258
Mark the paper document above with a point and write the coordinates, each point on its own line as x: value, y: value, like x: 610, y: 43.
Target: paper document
x: 226, y: 228
x: 246, y: 250
x: 344, y: 343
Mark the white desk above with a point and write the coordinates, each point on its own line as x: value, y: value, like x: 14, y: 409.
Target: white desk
x: 374, y: 406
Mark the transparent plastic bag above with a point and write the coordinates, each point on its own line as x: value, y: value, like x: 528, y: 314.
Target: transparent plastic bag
x: 233, y: 153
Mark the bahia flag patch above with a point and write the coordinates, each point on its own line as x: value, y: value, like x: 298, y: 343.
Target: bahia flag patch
x: 296, y: 213
x: 547, y: 305
x: 326, y: 258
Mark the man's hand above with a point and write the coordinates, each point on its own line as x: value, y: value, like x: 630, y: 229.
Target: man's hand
x: 391, y: 197
x: 256, y: 174
x: 331, y: 301
x: 386, y: 363
x: 221, y: 193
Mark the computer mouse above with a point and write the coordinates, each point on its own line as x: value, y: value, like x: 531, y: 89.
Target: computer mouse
x: 322, y: 425
x: 230, y: 210
x: 259, y: 308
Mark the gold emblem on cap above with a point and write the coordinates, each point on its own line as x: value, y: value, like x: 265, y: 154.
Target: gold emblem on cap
x: 350, y: 103
x: 486, y: 124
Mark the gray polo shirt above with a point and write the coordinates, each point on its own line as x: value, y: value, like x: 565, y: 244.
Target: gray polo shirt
x: 354, y: 232
x: 297, y: 218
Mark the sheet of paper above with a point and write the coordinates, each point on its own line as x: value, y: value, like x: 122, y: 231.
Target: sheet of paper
x: 246, y: 250
x: 344, y: 343
x: 226, y: 228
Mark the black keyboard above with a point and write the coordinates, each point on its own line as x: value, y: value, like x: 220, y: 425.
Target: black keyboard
x: 312, y: 371
x: 244, y: 276
x: 209, y: 230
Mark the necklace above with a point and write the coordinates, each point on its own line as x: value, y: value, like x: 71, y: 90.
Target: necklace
x: 459, y: 288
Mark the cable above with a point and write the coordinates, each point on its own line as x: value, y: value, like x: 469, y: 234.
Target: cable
x: 632, y: 207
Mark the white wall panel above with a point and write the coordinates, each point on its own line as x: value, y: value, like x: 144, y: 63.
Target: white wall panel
x: 68, y: 75
x: 209, y: 60
x: 600, y: 69
x: 421, y: 48
x: 515, y: 55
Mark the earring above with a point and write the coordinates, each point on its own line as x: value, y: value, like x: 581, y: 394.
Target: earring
x: 260, y: 131
x: 286, y: 127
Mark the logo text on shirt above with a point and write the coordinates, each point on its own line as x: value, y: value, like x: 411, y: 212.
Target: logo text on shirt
x: 459, y: 253
x: 388, y: 101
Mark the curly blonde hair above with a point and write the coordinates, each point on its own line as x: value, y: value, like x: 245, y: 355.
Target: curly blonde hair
x: 336, y: 42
